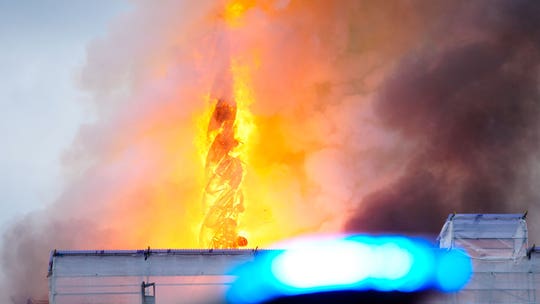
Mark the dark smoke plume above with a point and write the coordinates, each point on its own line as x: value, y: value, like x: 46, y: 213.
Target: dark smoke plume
x: 468, y: 100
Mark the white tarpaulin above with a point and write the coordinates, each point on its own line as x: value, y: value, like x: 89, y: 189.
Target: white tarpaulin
x: 505, y: 269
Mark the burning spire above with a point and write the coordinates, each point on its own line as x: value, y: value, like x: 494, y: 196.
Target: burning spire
x: 223, y: 195
x: 228, y: 131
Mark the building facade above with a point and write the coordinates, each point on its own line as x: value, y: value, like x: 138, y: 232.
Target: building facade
x: 505, y: 268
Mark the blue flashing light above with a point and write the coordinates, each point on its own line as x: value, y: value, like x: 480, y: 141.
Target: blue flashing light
x: 385, y: 263
x: 454, y: 270
x: 328, y: 263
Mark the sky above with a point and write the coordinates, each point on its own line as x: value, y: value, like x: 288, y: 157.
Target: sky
x: 43, y: 45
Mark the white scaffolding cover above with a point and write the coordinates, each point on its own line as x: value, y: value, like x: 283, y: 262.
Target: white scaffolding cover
x: 505, y: 270
x: 179, y: 276
x: 486, y: 236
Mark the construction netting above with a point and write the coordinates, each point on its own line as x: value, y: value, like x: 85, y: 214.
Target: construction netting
x: 505, y: 269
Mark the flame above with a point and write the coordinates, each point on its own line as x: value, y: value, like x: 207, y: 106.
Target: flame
x: 244, y: 98
x: 234, y: 10
x: 251, y: 209
x: 163, y: 199
x: 229, y: 128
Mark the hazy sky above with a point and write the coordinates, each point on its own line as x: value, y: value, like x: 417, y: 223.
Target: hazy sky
x: 42, y: 46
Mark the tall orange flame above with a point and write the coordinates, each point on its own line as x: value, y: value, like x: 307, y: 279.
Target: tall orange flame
x: 223, y: 195
x: 229, y: 127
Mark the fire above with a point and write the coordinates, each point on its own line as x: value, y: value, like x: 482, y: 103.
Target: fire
x: 229, y: 128
x: 251, y: 177
x: 227, y: 138
x: 235, y: 10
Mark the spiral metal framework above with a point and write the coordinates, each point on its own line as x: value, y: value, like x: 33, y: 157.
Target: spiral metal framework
x: 222, y: 198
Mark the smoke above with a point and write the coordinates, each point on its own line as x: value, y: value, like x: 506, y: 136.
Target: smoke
x: 369, y: 115
x: 468, y: 101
